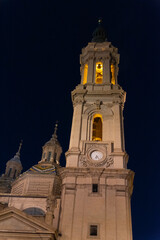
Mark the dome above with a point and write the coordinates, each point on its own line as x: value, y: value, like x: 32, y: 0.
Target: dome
x: 16, y: 158
x: 99, y: 34
x: 43, y: 169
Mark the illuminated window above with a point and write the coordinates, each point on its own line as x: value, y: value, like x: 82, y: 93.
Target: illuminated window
x: 99, y: 73
x: 113, y: 81
x: 97, y: 128
x: 85, y: 74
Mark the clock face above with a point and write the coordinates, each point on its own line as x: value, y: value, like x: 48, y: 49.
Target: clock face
x: 96, y: 155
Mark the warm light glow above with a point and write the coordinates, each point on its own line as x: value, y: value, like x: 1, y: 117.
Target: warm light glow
x: 99, y: 73
x: 113, y: 81
x: 85, y: 74
x: 97, y: 128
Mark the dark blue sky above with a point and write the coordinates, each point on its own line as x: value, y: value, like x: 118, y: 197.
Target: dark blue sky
x: 40, y: 45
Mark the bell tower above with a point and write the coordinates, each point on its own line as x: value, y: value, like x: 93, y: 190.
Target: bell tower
x: 98, y: 108
x: 97, y: 186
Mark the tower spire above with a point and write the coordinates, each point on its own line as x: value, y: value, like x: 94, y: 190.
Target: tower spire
x: 55, y: 130
x: 19, y: 149
x: 52, y: 149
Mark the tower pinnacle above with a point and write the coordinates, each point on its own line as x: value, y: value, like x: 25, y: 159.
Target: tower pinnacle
x: 19, y: 149
x: 14, y: 166
x: 99, y: 35
x: 55, y: 130
x: 52, y: 149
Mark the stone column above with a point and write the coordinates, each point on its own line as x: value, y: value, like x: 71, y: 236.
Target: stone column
x: 90, y: 70
x: 82, y: 73
x: 84, y: 127
x: 111, y: 214
x: 106, y: 70
x: 76, y: 125
x: 68, y: 203
x: 117, y: 127
x: 51, y: 202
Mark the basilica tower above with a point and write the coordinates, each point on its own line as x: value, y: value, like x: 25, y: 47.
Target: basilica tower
x: 96, y: 184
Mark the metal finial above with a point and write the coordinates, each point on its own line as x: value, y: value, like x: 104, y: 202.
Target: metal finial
x: 19, y: 149
x: 99, y: 20
x: 55, y: 130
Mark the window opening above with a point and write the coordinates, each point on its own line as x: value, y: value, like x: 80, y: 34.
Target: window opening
x: 93, y: 230
x: 49, y: 156
x: 34, y: 211
x: 85, y: 74
x: 99, y: 73
x: 44, y: 154
x: 9, y: 172
x: 14, y: 176
x: 94, y: 188
x: 55, y: 156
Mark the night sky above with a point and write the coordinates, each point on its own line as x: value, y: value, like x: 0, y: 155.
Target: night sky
x: 40, y: 43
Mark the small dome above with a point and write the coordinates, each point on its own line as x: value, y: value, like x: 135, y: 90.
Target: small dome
x: 16, y: 158
x: 99, y: 35
x: 52, y: 149
x: 52, y: 142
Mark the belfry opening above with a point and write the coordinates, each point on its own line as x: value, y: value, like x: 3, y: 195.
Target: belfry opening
x: 85, y: 74
x: 99, y: 73
x: 97, y: 128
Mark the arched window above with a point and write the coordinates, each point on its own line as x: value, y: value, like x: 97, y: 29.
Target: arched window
x: 97, y: 128
x: 34, y: 211
x: 14, y: 176
x: 85, y: 74
x: 113, y: 81
x: 99, y: 73
x: 9, y: 172
x: 49, y: 156
x: 55, y: 157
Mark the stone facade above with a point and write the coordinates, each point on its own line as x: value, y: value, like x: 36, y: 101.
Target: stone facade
x: 90, y: 197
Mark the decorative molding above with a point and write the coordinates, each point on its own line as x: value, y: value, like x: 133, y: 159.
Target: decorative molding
x: 98, y: 104
x: 78, y: 100
x: 84, y: 162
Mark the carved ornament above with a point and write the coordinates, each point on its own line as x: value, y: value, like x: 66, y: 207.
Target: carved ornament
x: 87, y: 161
